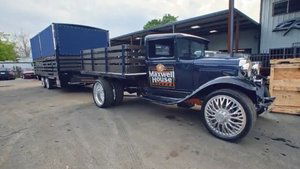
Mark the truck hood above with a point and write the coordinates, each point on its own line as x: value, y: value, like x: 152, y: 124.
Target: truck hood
x: 223, y: 61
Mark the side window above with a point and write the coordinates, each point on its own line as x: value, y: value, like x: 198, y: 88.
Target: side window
x: 280, y: 7
x: 161, y: 48
x: 197, y: 49
x: 183, y: 49
x: 189, y: 49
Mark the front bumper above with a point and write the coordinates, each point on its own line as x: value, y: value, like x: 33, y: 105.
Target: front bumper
x: 264, y: 100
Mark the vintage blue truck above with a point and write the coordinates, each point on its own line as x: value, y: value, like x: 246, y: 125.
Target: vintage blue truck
x: 174, y: 69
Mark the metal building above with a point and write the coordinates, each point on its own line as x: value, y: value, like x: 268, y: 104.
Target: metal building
x: 280, y: 27
x: 212, y: 26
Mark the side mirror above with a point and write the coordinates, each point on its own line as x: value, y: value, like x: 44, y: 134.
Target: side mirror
x: 198, y: 53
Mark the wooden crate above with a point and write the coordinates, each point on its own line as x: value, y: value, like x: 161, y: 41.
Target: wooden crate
x: 285, y: 85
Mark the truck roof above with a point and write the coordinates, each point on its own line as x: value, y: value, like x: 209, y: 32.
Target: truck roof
x: 173, y: 35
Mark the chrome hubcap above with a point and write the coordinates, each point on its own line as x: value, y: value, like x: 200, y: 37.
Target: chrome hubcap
x: 43, y: 81
x: 225, y: 116
x: 47, y: 82
x: 98, y: 93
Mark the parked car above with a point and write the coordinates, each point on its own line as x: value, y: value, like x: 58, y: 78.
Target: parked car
x: 7, y: 74
x: 28, y: 74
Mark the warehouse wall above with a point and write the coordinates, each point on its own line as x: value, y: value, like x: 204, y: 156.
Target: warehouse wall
x: 248, y: 39
x: 270, y: 39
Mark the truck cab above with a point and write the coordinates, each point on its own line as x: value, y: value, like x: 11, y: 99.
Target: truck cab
x: 171, y: 63
x: 229, y: 90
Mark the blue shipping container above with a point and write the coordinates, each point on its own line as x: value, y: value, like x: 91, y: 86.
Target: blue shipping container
x: 67, y: 40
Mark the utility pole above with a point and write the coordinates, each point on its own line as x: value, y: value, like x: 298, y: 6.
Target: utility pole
x: 230, y: 28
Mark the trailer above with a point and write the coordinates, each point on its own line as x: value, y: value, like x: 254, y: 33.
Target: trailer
x: 56, y: 53
x: 173, y: 69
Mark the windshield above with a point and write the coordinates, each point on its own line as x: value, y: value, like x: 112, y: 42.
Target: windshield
x: 189, y: 49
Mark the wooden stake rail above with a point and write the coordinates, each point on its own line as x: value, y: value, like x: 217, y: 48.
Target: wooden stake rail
x: 122, y: 59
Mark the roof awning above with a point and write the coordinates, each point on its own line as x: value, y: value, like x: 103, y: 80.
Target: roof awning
x: 201, y: 26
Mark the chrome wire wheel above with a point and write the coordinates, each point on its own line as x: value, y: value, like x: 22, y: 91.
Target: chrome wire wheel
x: 47, y: 83
x: 225, y: 116
x: 99, y: 94
x: 43, y: 82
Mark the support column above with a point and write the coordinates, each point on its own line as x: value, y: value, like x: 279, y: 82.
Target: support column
x: 173, y: 28
x: 237, y: 33
x: 230, y: 28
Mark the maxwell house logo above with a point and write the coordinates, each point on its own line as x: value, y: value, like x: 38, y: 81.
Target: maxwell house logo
x: 162, y: 76
x: 287, y: 26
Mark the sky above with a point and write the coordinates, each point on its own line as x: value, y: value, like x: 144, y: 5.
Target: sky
x: 117, y: 16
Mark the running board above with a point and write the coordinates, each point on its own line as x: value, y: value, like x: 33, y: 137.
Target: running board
x: 163, y: 99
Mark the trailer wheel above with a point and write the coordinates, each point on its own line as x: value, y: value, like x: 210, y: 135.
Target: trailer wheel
x: 43, y: 82
x: 228, y: 114
x: 49, y: 83
x: 118, y: 91
x: 103, y: 93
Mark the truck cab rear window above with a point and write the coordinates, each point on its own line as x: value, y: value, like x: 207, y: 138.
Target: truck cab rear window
x: 161, y: 49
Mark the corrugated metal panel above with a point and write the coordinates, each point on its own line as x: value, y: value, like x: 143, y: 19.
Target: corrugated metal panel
x: 71, y: 39
x: 248, y: 39
x: 270, y: 39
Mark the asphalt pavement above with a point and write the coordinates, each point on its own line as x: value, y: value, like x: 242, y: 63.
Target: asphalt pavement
x: 63, y: 129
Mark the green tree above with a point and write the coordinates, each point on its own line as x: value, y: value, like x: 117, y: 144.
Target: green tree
x: 7, y: 49
x: 167, y: 18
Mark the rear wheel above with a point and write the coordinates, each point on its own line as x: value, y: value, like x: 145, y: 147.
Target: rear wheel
x: 228, y: 114
x: 43, y: 82
x: 118, y: 91
x: 49, y: 83
x: 103, y: 93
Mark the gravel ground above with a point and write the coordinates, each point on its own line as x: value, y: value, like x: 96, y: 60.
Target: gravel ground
x: 63, y: 129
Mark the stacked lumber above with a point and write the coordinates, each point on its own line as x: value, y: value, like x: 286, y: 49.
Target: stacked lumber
x: 285, y: 85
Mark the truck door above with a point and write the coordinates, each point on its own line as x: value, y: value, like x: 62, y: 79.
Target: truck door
x: 170, y: 67
x: 184, y: 66
x: 161, y: 67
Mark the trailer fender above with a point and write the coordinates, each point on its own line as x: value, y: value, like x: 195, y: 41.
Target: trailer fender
x: 222, y: 82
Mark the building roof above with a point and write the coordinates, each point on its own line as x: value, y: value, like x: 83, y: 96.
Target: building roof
x: 172, y: 35
x: 203, y: 25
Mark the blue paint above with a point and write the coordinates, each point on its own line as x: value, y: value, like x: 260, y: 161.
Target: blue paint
x: 67, y: 40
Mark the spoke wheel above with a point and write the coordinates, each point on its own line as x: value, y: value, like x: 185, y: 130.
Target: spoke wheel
x: 103, y: 93
x: 43, y: 82
x: 225, y: 115
x: 228, y: 114
x: 49, y: 83
x: 99, y: 94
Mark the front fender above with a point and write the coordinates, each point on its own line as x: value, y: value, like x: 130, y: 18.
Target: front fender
x: 225, y: 80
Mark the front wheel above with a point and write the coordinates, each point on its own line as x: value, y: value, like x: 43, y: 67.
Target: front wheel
x: 103, y: 93
x: 228, y: 114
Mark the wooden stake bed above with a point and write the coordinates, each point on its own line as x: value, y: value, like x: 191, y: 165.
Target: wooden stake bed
x: 50, y: 66
x: 285, y: 85
x: 122, y: 60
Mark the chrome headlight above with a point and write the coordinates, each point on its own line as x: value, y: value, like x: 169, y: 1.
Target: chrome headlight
x: 246, y: 67
x: 256, y: 66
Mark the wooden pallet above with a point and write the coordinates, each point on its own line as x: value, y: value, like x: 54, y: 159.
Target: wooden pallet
x: 285, y: 85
